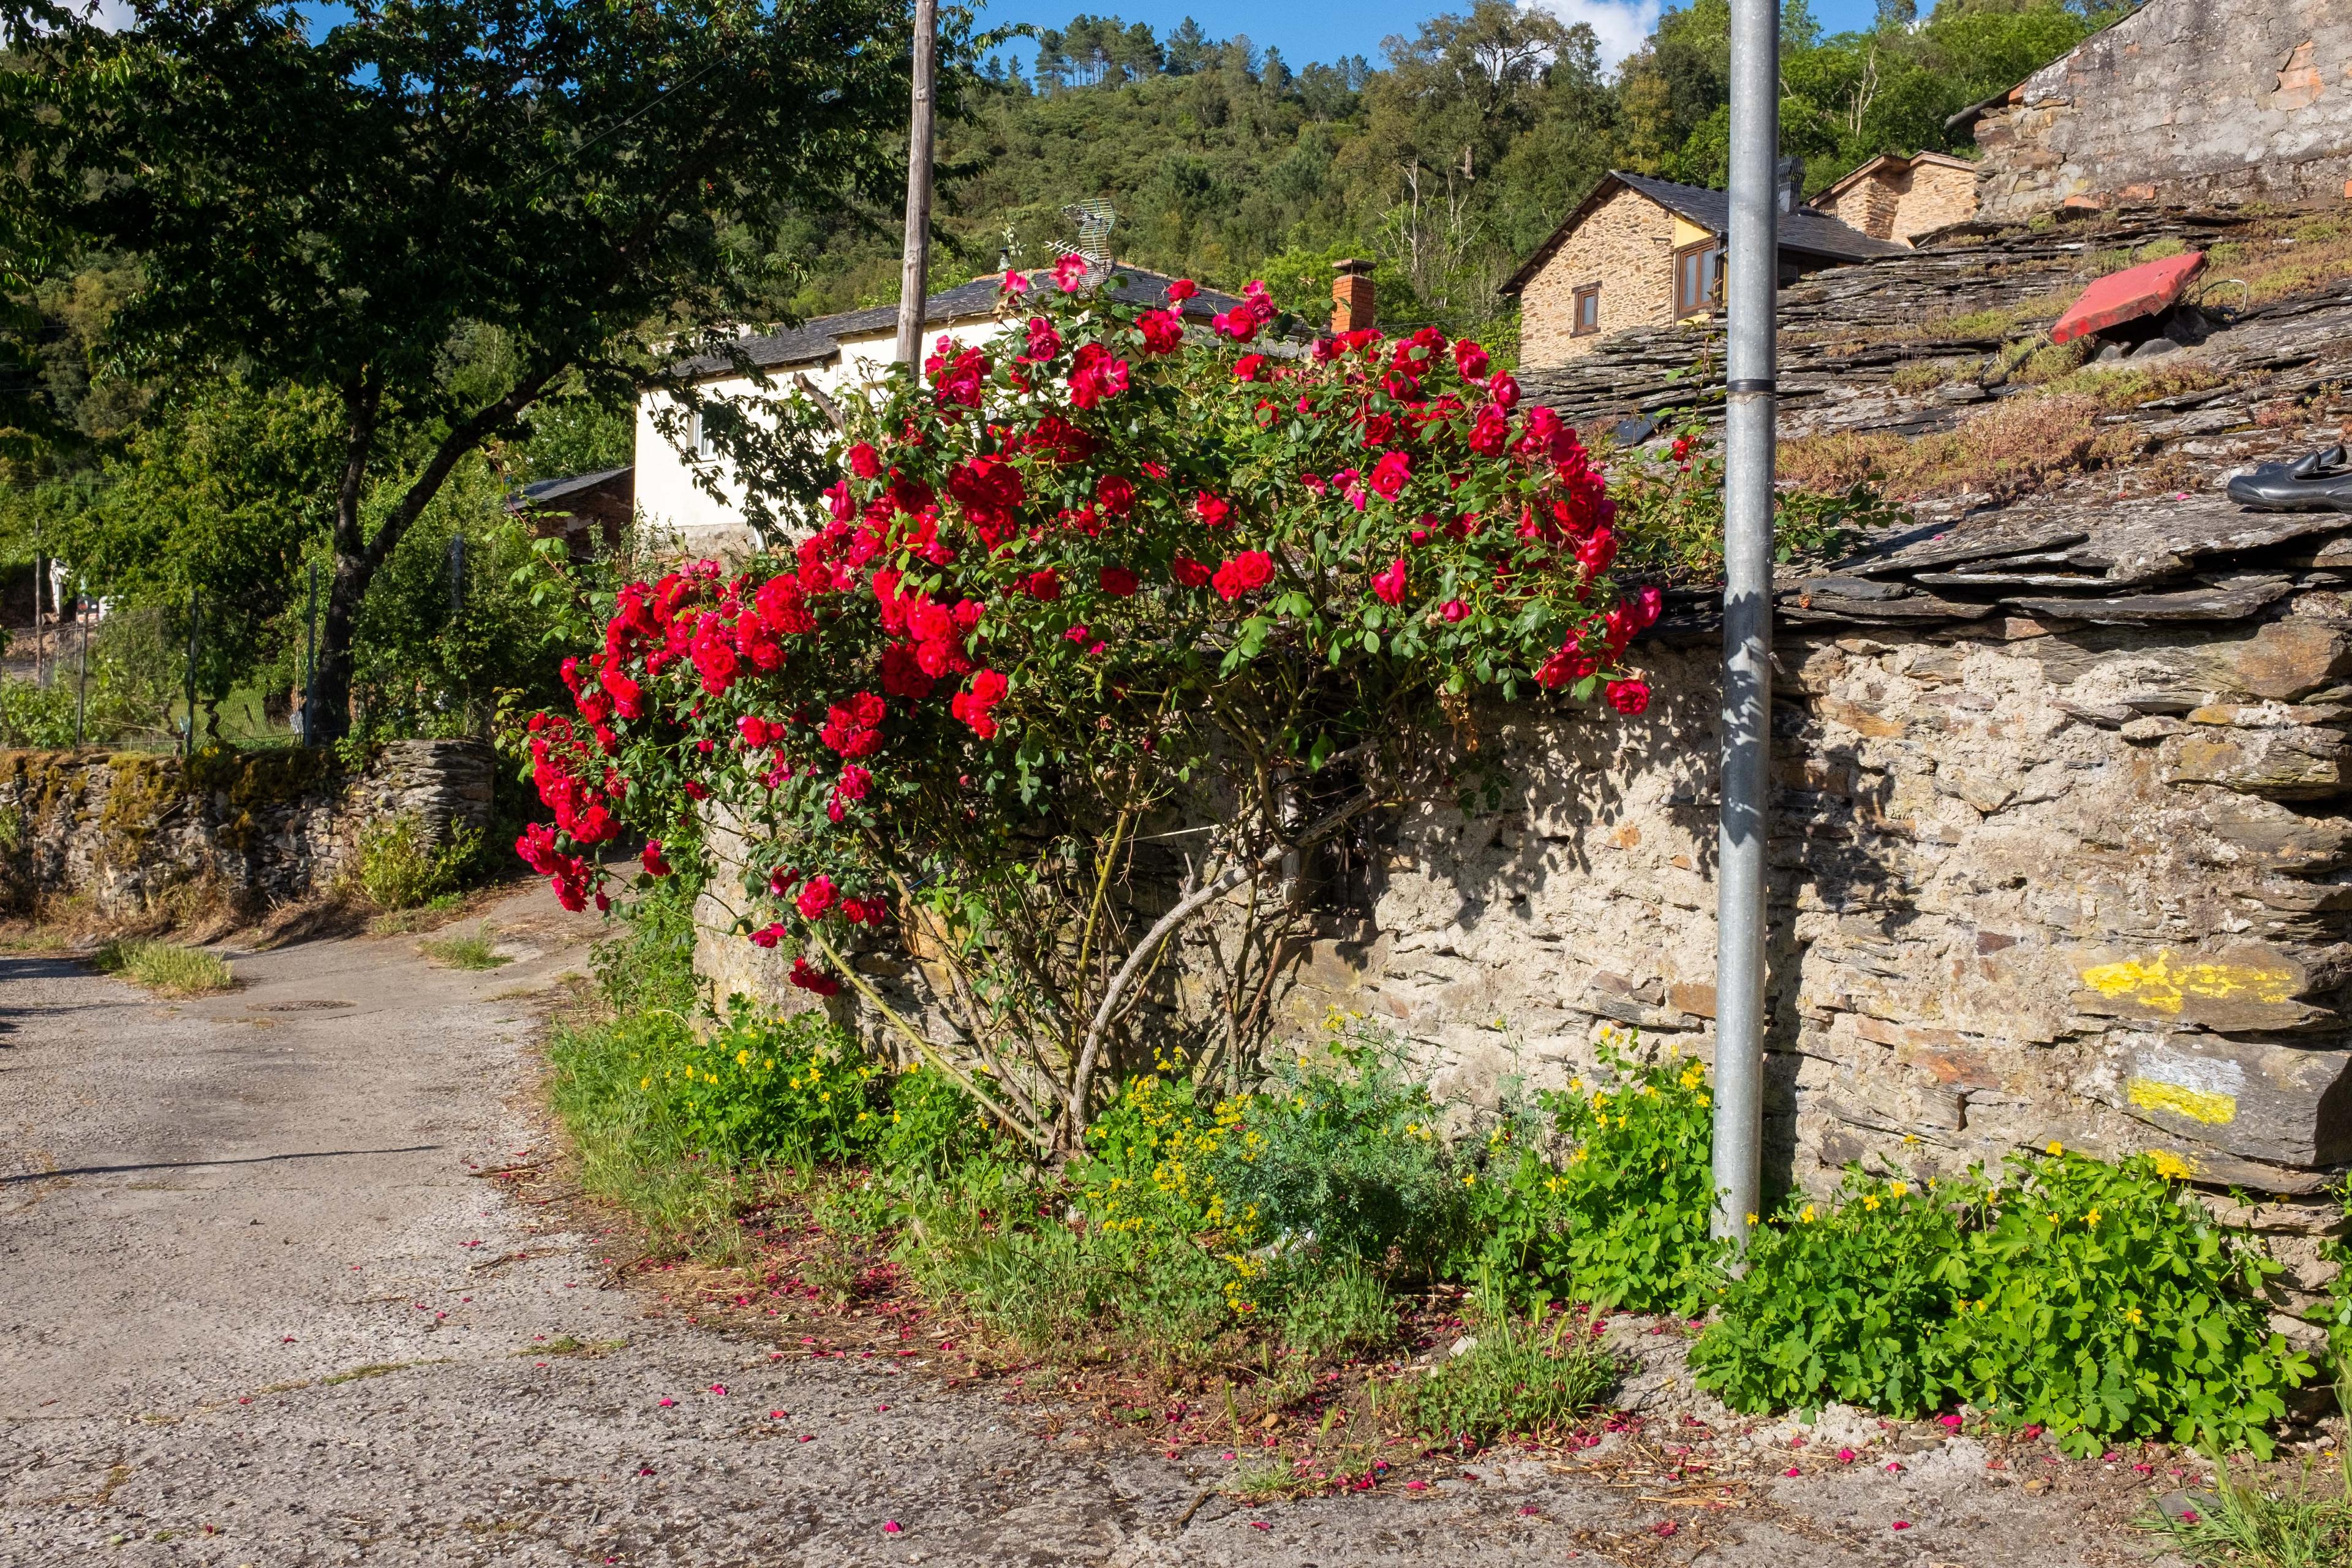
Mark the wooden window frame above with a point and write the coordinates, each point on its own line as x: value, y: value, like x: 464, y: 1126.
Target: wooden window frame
x: 1590, y: 294
x: 1684, y: 310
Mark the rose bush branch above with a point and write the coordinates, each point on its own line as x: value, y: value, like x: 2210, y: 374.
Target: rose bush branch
x: 1120, y: 569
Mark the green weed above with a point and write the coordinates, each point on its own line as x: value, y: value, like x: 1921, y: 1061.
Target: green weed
x: 2244, y: 1526
x: 401, y: 867
x: 164, y: 968
x: 1523, y: 1376
x: 466, y: 949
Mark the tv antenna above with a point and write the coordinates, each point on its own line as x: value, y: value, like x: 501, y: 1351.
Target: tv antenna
x: 1095, y: 217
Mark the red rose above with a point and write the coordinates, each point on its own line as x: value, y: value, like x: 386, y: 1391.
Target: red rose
x: 1096, y: 376
x: 1070, y: 273
x: 1390, y: 474
x: 1388, y: 586
x: 1629, y: 697
x: 1044, y: 342
x: 652, y: 860
x: 1248, y: 367
x: 865, y: 462
x: 1249, y: 571
x: 1044, y: 585
x: 1182, y: 289
x: 1162, y: 330
x: 1469, y: 359
x: 1191, y: 574
x: 1116, y: 494
x: 816, y: 898
x: 815, y: 980
x: 1213, y: 510
x: 1503, y: 390
x: 1118, y: 582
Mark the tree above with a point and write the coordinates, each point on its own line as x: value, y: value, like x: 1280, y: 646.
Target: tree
x: 583, y: 181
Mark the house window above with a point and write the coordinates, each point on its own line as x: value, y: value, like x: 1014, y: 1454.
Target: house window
x: 1698, y: 279
x: 697, y: 439
x: 1586, y: 312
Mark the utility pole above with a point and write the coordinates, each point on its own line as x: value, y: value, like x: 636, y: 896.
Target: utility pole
x: 195, y: 614
x: 915, y: 268
x: 81, y: 686
x: 310, y: 659
x: 1751, y: 298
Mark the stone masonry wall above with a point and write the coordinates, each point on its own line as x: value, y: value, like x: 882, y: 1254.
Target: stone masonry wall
x: 1868, y: 206
x: 1626, y: 245
x: 1935, y: 196
x: 2186, y: 102
x: 2030, y: 882
x: 130, y: 830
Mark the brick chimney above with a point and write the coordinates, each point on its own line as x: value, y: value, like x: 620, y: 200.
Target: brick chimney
x: 1352, y: 308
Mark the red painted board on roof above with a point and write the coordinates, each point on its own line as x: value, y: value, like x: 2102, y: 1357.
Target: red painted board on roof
x: 2120, y: 297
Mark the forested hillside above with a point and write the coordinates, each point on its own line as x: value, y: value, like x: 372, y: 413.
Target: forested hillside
x: 1447, y: 161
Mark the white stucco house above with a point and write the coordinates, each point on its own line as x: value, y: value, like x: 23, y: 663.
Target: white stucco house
x: 837, y: 354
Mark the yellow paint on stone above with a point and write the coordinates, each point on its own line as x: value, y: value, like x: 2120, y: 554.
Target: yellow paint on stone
x: 2196, y: 1104
x: 2165, y: 986
x: 2173, y: 1166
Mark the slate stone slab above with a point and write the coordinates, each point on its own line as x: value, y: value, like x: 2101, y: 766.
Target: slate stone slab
x: 2240, y: 987
x: 2231, y: 600
x: 2256, y: 1098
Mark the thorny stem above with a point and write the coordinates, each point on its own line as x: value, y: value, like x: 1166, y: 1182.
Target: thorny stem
x: 1082, y: 1080
x: 923, y: 1046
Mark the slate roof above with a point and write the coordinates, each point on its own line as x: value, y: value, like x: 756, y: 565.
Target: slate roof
x: 815, y: 341
x: 542, y: 490
x: 1804, y: 231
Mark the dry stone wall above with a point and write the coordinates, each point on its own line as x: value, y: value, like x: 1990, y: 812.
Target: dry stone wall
x: 131, y: 830
x: 2184, y: 101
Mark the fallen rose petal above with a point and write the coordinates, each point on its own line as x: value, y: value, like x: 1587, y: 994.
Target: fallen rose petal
x: 1902, y: 1524
x: 1793, y: 1470
x: 668, y: 1403
x: 1416, y: 1486
x: 891, y: 1526
x: 1260, y: 1525
x: 1845, y: 1455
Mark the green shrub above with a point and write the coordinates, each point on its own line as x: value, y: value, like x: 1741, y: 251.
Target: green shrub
x: 165, y: 968
x: 768, y: 1087
x: 1343, y: 1154
x: 1622, y: 1219
x: 1343, y: 1310
x: 2104, y: 1302
x: 2099, y: 1302
x: 1843, y: 1301
x: 401, y: 867
x: 933, y: 1127
x: 1521, y: 1377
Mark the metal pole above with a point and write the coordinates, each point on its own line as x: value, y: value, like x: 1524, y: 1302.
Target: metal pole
x: 915, y: 268
x: 38, y: 646
x: 311, y: 657
x: 1751, y: 294
x: 188, y: 742
x: 81, y: 683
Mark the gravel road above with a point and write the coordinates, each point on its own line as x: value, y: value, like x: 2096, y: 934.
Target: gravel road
x: 257, y: 1306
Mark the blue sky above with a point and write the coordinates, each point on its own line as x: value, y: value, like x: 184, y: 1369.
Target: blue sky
x: 1330, y: 30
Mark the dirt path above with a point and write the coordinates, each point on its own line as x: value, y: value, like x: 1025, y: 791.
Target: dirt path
x: 256, y: 1306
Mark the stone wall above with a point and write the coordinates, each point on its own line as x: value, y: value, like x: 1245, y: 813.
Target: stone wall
x: 2032, y: 881
x: 131, y: 830
x: 1626, y: 245
x: 2185, y: 102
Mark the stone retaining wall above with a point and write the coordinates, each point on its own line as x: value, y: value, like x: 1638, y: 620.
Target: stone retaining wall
x: 2184, y: 101
x: 128, y: 830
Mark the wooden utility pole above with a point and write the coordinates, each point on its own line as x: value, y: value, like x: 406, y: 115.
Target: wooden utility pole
x: 914, y: 270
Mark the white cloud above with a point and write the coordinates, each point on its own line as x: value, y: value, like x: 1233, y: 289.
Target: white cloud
x: 114, y: 15
x: 1621, y: 25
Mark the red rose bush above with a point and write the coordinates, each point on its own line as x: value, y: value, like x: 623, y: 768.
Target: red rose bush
x: 1071, y: 591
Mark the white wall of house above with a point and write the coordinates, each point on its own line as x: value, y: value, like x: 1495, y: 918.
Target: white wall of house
x: 671, y: 499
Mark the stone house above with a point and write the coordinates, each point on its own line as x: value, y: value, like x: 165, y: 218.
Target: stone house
x: 587, y: 510
x: 2184, y: 103
x: 1899, y: 198
x: 684, y: 491
x: 1641, y: 251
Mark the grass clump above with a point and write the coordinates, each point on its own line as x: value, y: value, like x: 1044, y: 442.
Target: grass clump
x: 2239, y: 1525
x: 165, y: 968
x: 1531, y: 1377
x: 473, y: 949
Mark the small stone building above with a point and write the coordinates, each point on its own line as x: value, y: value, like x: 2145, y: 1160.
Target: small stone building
x: 1898, y: 198
x: 584, y: 510
x: 1643, y: 252
x: 2184, y: 103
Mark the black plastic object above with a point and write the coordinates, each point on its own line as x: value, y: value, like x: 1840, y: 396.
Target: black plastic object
x: 2320, y: 482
